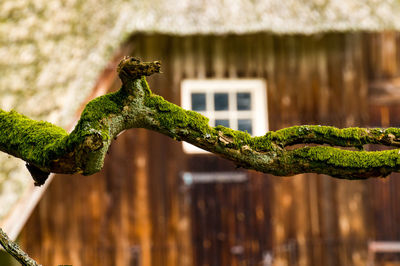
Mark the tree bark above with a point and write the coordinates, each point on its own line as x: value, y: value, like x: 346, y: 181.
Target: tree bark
x: 14, y: 250
x: 47, y: 148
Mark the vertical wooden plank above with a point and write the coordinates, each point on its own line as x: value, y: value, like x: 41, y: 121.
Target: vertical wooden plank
x: 284, y: 212
x: 335, y: 66
x: 218, y: 60
x: 291, y: 71
x: 328, y: 216
x: 281, y: 70
x: 272, y: 90
x: 259, y: 55
x: 230, y: 47
x: 323, y: 98
x: 118, y: 182
x: 223, y: 232
x: 348, y: 83
x: 194, y: 222
x: 185, y: 230
x: 142, y: 226
x: 302, y: 219
x: 303, y: 81
x: 188, y: 54
x: 249, y: 49
x: 389, y: 54
x: 315, y: 217
x: 200, y: 57
x: 361, y: 81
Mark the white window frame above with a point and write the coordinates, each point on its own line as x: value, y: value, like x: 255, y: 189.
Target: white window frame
x: 258, y: 113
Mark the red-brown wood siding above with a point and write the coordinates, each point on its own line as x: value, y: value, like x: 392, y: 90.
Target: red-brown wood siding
x: 136, y: 211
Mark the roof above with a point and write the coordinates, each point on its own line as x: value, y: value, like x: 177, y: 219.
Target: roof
x: 51, y: 52
x: 276, y: 16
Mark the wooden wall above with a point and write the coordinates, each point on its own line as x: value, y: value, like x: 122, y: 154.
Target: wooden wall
x: 137, y: 211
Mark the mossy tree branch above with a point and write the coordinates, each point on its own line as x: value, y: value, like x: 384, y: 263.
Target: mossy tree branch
x: 48, y: 148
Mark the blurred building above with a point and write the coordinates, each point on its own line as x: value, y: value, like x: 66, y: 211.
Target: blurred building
x: 159, y: 203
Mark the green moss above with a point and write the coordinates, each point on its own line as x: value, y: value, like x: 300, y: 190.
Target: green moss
x: 393, y: 131
x: 145, y: 86
x: 263, y: 143
x: 238, y: 138
x: 93, y: 117
x: 349, y: 159
x: 40, y: 142
x: 352, y: 136
x: 102, y: 106
x: 35, y: 141
x: 173, y: 118
x: 346, y: 133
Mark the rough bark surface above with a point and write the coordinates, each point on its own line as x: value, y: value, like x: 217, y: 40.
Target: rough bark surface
x: 47, y: 148
x: 14, y: 250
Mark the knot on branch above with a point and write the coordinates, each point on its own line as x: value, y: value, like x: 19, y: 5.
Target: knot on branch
x: 131, y: 68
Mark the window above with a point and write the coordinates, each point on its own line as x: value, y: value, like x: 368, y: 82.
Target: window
x: 236, y: 103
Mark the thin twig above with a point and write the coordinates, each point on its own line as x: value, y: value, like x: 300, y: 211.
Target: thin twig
x: 14, y: 250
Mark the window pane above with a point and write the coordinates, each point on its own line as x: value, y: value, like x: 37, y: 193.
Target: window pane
x: 222, y: 122
x: 243, y: 101
x: 198, y: 101
x: 221, y: 101
x: 245, y: 125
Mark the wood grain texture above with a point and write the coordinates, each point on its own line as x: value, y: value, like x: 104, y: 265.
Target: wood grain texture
x: 138, y: 212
